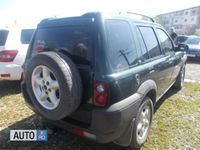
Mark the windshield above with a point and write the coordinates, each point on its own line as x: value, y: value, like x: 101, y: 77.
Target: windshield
x: 73, y: 40
x: 3, y: 37
x: 193, y: 41
x: 181, y: 39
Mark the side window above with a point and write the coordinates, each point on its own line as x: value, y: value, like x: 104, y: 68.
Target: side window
x: 142, y: 52
x: 165, y: 42
x: 150, y: 41
x: 122, y: 48
x: 26, y: 35
x: 3, y: 37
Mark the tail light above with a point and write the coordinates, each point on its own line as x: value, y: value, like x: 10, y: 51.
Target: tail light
x: 8, y: 55
x: 5, y: 75
x: 100, y: 93
x: 40, y: 47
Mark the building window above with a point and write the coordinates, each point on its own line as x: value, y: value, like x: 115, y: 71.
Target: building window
x: 176, y: 21
x: 192, y: 19
x: 179, y: 13
x: 185, y: 20
x: 166, y: 22
x: 193, y: 12
x: 186, y: 13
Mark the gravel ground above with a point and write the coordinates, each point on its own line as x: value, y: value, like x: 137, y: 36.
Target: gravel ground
x: 193, y: 69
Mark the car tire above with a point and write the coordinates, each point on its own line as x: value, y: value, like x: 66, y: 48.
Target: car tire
x: 54, y: 85
x: 142, y: 123
x: 180, y: 79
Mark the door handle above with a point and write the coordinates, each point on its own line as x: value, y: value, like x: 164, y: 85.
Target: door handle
x: 137, y: 77
x: 152, y: 71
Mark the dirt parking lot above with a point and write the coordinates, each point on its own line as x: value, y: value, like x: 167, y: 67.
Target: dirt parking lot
x: 193, y: 69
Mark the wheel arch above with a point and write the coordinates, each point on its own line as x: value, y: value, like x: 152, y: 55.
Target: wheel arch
x: 149, y: 89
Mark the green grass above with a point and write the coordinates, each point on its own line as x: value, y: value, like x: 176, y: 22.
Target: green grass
x: 12, y: 106
x: 176, y: 124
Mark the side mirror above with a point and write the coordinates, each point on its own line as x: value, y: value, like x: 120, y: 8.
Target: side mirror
x: 182, y: 47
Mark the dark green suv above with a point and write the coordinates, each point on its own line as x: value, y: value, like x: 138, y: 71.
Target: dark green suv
x: 100, y: 75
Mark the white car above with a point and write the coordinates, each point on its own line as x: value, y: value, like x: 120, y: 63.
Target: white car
x: 13, y: 48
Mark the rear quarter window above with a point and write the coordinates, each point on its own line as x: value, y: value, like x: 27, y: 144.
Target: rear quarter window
x: 3, y: 37
x: 75, y: 41
x: 122, y: 52
x: 26, y: 35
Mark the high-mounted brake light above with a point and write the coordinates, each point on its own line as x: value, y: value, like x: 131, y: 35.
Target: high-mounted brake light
x: 8, y: 55
x: 100, y: 93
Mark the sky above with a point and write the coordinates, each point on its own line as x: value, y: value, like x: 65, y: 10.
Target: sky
x: 30, y: 12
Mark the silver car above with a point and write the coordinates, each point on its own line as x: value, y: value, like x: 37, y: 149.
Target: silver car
x: 193, y: 44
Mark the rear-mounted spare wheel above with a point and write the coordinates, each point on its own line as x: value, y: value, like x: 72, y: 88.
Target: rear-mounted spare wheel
x: 54, y: 85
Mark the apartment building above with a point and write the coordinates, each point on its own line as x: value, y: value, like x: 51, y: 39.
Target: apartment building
x: 182, y: 20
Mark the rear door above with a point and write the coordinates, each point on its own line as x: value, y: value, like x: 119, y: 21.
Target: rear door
x: 157, y: 63
x: 122, y: 56
x: 166, y: 46
x: 74, y: 39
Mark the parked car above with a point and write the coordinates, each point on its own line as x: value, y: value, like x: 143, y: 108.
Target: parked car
x: 13, y: 48
x: 100, y: 76
x: 193, y: 46
x: 181, y: 39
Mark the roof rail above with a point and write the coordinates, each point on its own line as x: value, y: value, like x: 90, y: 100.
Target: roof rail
x: 143, y: 17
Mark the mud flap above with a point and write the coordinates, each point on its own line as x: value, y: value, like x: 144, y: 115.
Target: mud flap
x: 125, y: 138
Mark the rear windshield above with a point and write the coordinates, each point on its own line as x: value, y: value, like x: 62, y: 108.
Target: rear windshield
x: 3, y: 37
x: 73, y: 40
x: 26, y: 35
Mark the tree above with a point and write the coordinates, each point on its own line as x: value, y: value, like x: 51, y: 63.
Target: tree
x: 191, y: 30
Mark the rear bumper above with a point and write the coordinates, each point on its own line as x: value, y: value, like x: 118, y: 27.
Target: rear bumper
x: 10, y: 71
x: 107, y: 124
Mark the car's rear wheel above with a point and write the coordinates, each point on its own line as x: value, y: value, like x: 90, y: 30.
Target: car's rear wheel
x: 142, y: 123
x: 54, y: 85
